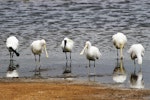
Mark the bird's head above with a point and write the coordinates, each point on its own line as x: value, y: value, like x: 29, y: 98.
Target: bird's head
x: 43, y: 42
x: 87, y: 45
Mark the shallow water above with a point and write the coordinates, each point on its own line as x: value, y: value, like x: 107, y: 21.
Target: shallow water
x: 82, y: 20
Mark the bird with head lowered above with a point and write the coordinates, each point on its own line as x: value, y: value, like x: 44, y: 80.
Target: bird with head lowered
x: 12, y: 44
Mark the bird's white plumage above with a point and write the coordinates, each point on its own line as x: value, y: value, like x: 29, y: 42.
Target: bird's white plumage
x: 92, y: 52
x: 137, y: 51
x: 69, y: 45
x: 38, y: 46
x: 119, y: 40
x: 13, y: 42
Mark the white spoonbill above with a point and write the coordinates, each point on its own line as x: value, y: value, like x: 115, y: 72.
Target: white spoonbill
x: 137, y: 51
x: 67, y: 46
x: 37, y: 48
x: 119, y: 41
x: 12, y: 44
x: 92, y: 53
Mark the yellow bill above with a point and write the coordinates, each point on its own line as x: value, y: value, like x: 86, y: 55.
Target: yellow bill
x: 82, y: 52
x: 46, y: 51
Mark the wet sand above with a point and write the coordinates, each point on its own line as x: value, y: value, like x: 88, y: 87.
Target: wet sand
x: 39, y: 89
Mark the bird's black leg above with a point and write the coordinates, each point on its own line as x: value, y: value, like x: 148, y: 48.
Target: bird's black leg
x: 35, y: 58
x: 66, y: 56
x: 39, y: 62
x: 35, y: 63
x: 134, y: 63
x: 117, y: 54
x: 94, y: 68
x: 70, y: 65
x: 70, y: 56
x: 39, y: 58
x: 89, y: 68
x: 89, y: 64
x: 10, y: 56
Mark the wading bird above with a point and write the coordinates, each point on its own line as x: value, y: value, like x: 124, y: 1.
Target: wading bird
x: 12, y: 44
x: 67, y: 46
x: 119, y: 41
x: 92, y: 53
x: 37, y: 48
x: 137, y: 51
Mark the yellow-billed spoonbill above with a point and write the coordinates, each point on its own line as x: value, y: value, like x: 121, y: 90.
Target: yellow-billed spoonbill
x: 137, y: 51
x: 119, y: 41
x: 67, y: 46
x: 92, y: 53
x: 37, y: 48
x: 12, y: 44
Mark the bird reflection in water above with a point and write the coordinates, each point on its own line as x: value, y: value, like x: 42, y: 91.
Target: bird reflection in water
x: 136, y: 79
x: 119, y: 72
x: 67, y: 71
x: 37, y: 73
x: 12, y: 70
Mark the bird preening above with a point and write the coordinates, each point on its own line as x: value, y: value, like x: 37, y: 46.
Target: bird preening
x: 12, y: 44
x: 119, y: 41
x: 92, y: 53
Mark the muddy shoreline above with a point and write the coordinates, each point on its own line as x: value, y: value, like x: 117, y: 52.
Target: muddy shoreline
x: 45, y: 89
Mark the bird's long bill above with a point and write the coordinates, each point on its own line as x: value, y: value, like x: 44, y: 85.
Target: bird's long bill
x: 82, y: 52
x: 46, y: 51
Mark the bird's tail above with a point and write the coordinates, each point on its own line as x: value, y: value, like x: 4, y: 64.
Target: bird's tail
x: 17, y: 54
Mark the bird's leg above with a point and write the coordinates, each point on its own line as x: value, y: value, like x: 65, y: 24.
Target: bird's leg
x: 39, y: 58
x: 117, y: 54
x: 35, y: 58
x: 70, y: 56
x: 66, y: 56
x: 89, y: 71
x: 10, y: 56
x: 134, y: 63
x: 39, y: 62
x: 121, y: 53
x: 70, y: 66
x: 36, y: 61
x: 94, y: 68
x: 140, y: 67
x: 89, y: 68
x: 89, y: 64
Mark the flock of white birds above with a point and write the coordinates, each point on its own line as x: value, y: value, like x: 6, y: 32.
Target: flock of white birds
x: 92, y: 52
